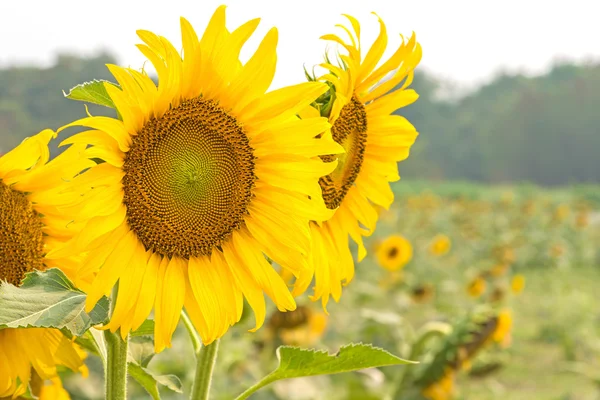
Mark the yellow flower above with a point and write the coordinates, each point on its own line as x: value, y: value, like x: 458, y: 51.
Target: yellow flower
x: 561, y: 213
x: 394, y: 253
x: 440, y: 245
x: 423, y: 293
x: 503, y: 327
x: 54, y: 391
x: 517, y: 284
x: 301, y: 327
x: 359, y: 108
x: 476, y: 287
x: 205, y: 174
x: 33, y: 222
x: 443, y: 389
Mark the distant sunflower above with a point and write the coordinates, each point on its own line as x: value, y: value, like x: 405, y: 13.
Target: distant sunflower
x: 359, y: 106
x: 476, y: 287
x: 394, y: 253
x: 440, y: 245
x: 517, y: 284
x: 443, y: 388
x: 301, y: 327
x: 32, y: 223
x: 204, y: 175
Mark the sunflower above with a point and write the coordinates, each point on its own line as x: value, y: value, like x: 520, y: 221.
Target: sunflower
x: 32, y: 223
x: 53, y: 391
x: 503, y: 329
x: 476, y: 287
x: 517, y: 284
x: 204, y: 176
x: 442, y: 389
x: 440, y: 245
x: 301, y: 327
x: 359, y: 105
x: 423, y: 293
x: 394, y: 253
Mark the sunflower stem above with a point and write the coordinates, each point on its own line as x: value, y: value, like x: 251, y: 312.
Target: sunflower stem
x: 204, y: 369
x: 116, y: 366
x: 194, y: 337
x: 115, y: 373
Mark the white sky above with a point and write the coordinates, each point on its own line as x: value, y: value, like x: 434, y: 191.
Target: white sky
x: 466, y: 41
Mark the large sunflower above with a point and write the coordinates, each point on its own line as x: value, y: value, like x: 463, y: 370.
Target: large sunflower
x: 32, y: 224
x: 359, y: 106
x: 204, y: 175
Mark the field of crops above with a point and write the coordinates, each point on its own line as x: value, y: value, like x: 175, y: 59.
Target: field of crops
x: 492, y: 290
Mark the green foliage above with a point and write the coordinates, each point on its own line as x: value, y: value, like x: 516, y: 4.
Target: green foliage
x: 92, y: 92
x: 146, y: 329
x: 48, y: 300
x: 516, y: 128
x: 140, y: 353
x: 295, y: 362
x: 31, y: 98
x: 151, y: 381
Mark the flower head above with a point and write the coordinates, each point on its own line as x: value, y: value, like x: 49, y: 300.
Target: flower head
x: 394, y: 253
x: 34, y: 220
x: 204, y: 176
x: 360, y: 105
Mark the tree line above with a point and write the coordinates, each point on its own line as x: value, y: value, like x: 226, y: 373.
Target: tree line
x: 543, y: 129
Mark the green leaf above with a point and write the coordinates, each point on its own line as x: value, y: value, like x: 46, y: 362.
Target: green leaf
x: 295, y: 362
x: 92, y: 341
x: 92, y: 92
x: 141, y: 350
x: 146, y: 329
x: 150, y: 381
x: 48, y: 300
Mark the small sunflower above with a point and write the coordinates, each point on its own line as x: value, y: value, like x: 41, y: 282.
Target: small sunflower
x: 440, y: 245
x: 503, y: 329
x: 359, y: 105
x: 54, y: 390
x: 204, y: 176
x: 442, y: 389
x: 422, y: 293
x: 394, y: 253
x: 476, y: 287
x: 33, y: 223
x: 517, y: 284
x: 301, y: 327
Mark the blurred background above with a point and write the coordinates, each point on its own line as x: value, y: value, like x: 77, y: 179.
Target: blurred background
x: 484, y: 268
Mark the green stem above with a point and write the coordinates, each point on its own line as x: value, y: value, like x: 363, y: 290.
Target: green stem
x: 194, y: 337
x: 115, y: 371
x: 204, y: 369
x: 430, y: 331
x: 116, y: 366
x: 255, y: 388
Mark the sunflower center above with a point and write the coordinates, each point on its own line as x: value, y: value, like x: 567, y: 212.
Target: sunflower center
x: 21, y: 239
x: 188, y: 180
x: 393, y: 252
x: 350, y: 131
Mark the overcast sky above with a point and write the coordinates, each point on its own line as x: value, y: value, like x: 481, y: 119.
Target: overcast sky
x: 466, y: 41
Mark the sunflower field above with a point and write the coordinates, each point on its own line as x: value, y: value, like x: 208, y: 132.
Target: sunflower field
x: 208, y: 237
x: 489, y: 288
